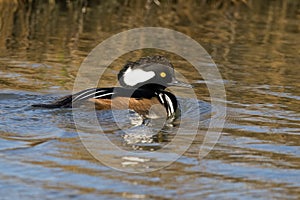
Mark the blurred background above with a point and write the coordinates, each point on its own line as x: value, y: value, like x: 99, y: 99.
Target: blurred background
x: 256, y: 47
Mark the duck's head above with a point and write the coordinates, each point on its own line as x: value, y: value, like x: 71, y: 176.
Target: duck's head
x: 152, y: 71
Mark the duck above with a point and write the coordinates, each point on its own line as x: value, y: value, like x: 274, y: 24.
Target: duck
x: 142, y: 89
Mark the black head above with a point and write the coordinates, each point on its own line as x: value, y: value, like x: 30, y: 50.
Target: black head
x: 151, y: 71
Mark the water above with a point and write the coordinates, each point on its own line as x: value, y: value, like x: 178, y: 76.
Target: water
x: 256, y: 48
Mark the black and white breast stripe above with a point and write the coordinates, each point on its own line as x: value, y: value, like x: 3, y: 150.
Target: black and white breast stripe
x: 169, y: 101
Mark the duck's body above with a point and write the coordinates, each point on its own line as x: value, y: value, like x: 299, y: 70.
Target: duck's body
x: 140, y: 100
x: 143, y: 89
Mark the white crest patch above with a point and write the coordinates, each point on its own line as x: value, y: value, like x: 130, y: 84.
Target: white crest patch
x: 133, y: 77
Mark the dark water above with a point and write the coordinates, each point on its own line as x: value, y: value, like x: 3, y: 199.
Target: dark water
x: 256, y: 48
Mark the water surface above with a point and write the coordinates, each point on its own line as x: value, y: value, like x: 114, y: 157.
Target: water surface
x: 256, y: 48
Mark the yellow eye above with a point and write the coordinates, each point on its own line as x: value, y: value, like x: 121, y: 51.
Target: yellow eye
x: 163, y: 74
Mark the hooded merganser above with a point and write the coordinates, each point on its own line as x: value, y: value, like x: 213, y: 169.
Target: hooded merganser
x: 143, y: 85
